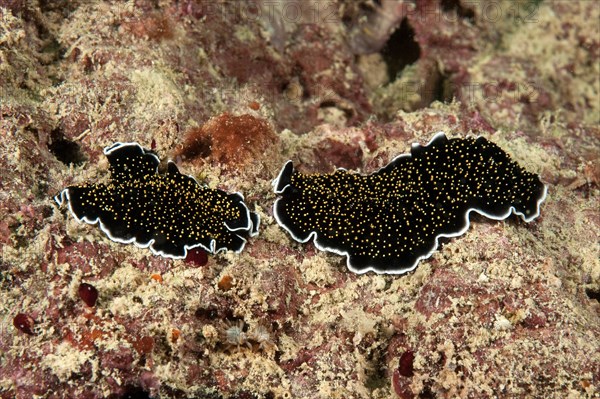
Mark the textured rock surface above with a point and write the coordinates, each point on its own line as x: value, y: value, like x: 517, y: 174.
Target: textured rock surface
x: 508, y: 310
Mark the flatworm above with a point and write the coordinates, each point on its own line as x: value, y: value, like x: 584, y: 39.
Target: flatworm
x: 168, y: 212
x: 390, y: 220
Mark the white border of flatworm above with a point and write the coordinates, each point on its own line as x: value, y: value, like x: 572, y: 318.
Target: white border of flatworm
x: 314, y: 236
x: 64, y: 195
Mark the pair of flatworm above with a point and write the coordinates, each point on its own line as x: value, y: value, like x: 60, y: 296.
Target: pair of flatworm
x: 385, y: 222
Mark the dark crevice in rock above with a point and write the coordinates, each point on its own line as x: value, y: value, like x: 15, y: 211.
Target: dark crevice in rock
x: 132, y: 392
x: 461, y: 11
x: 65, y: 150
x: 401, y: 49
x: 443, y: 89
x: 592, y: 294
x: 376, y: 377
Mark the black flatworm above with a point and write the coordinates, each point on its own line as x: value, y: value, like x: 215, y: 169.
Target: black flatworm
x: 169, y: 212
x: 390, y: 220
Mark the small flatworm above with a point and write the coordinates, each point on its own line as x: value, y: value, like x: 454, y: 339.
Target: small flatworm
x: 390, y: 220
x: 168, y: 212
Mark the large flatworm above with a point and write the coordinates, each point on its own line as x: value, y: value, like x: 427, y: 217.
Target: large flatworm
x: 390, y: 220
x: 168, y: 212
